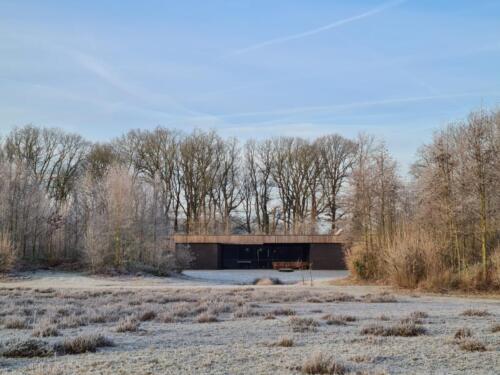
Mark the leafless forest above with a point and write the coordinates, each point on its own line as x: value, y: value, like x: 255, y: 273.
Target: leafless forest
x: 114, y: 206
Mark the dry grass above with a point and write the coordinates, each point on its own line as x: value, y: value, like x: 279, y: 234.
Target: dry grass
x: 419, y: 315
x: 475, y: 312
x: 495, y: 328
x: 401, y: 329
x: 339, y: 319
x: 206, y: 318
x: 283, y: 311
x: 128, y: 325
x: 45, y: 329
x: 27, y: 349
x: 379, y: 298
x: 470, y: 345
x: 320, y: 363
x: 245, y: 312
x: 16, y: 323
x: 82, y: 344
x: 285, y: 342
x: 302, y: 324
x: 462, y: 333
x: 146, y: 315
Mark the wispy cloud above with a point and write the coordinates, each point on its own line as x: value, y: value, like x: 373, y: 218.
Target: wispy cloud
x: 320, y: 29
x: 361, y: 104
x: 145, y: 101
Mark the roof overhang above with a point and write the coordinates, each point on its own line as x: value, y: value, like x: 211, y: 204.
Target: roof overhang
x: 257, y: 239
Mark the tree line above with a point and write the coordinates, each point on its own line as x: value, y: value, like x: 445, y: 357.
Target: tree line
x: 115, y: 205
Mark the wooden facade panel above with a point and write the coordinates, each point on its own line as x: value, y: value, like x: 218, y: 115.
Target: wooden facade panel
x: 327, y: 256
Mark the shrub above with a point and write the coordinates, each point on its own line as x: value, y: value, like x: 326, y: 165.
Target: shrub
x: 362, y: 262
x: 408, y: 257
x: 321, y: 364
x: 82, y: 344
x: 27, y: 349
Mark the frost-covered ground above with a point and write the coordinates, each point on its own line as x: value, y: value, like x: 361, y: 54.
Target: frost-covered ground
x: 179, y: 326
x: 248, y: 276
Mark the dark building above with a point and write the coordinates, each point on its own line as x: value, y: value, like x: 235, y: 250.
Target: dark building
x: 321, y: 252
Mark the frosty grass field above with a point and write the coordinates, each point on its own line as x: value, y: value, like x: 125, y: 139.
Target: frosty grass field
x: 69, y: 323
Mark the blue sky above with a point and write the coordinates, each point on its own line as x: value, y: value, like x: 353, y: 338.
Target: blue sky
x: 396, y: 69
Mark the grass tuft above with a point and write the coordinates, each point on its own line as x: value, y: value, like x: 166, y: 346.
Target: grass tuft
x: 128, y: 325
x: 16, y: 323
x: 206, y: 318
x: 302, y: 324
x: 400, y: 329
x: 462, y: 333
x: 475, y: 312
x: 27, y: 349
x: 321, y: 364
x: 83, y: 344
x: 470, y: 345
x: 285, y: 342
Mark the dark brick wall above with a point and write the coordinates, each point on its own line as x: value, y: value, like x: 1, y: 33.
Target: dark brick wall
x: 327, y: 257
x: 205, y: 256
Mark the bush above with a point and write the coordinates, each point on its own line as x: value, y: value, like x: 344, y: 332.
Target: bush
x: 82, y: 344
x: 362, y: 262
x: 408, y: 258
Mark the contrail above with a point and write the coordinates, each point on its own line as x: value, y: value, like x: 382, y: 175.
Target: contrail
x: 318, y: 30
x: 361, y: 104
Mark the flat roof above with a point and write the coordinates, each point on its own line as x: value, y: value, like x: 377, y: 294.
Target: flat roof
x: 257, y: 239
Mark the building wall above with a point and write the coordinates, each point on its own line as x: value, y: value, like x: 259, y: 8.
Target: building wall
x: 327, y: 256
x: 206, y: 256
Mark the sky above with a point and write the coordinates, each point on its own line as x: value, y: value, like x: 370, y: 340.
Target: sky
x: 250, y: 68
